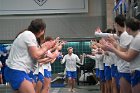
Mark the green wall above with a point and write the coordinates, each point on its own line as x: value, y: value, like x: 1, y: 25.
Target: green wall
x: 79, y: 48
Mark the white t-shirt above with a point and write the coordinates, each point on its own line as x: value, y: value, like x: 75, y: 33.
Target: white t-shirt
x: 135, y: 45
x: 115, y: 58
x: 47, y: 65
x: 124, y: 42
x: 43, y: 66
x: 71, y: 61
x: 96, y: 60
x: 100, y: 61
x: 107, y: 59
x: 19, y: 57
x: 36, y: 69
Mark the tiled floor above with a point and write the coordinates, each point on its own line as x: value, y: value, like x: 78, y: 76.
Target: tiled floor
x: 79, y: 89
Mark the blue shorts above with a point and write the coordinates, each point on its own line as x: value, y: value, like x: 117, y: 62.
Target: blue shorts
x: 35, y: 77
x: 113, y: 70
x: 97, y: 72
x: 40, y: 77
x: 0, y: 72
x: 116, y: 76
x: 15, y: 77
x: 47, y: 74
x: 107, y: 73
x: 135, y: 78
x: 31, y: 76
x: 127, y: 76
x: 101, y: 74
x: 71, y: 74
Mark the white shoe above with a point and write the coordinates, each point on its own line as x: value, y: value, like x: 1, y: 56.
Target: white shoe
x: 69, y: 89
x: 73, y: 90
x: 98, y: 83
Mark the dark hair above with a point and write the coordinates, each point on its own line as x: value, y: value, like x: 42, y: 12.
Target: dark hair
x: 36, y: 25
x: 48, y: 38
x: 113, y: 31
x: 108, y: 30
x: 133, y: 24
x: 120, y: 20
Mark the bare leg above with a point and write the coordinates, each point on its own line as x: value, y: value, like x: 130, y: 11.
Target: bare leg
x: 26, y: 87
x: 105, y: 84
x: 73, y: 85
x: 38, y: 87
x: 70, y: 83
x: 114, y: 86
x: 34, y: 84
x: 136, y: 88
x: 46, y: 85
x: 125, y: 86
x: 1, y: 81
x: 108, y: 86
x: 102, y: 85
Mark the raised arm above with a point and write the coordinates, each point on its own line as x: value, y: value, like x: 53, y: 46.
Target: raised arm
x: 63, y: 60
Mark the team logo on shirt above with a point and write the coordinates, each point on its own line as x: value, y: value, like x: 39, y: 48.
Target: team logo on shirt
x: 40, y: 2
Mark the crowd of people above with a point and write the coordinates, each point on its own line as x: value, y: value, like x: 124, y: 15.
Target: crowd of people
x: 28, y: 68
x: 117, y: 55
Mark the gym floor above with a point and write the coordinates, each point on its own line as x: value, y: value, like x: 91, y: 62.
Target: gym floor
x: 79, y: 89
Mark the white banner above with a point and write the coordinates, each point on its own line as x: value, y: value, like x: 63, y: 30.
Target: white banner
x: 9, y: 7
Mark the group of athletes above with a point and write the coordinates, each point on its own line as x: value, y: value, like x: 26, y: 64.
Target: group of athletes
x: 117, y: 56
x: 28, y: 65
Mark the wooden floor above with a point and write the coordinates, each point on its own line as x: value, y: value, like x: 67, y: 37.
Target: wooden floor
x: 79, y: 89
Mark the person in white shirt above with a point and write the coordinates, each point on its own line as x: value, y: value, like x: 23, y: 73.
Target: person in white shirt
x: 123, y: 44
x: 71, y: 70
x: 107, y: 61
x: 24, y: 51
x: 98, y: 56
x: 132, y: 55
x: 44, y: 69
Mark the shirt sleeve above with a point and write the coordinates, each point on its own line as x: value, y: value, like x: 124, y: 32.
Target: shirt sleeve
x: 92, y: 57
x: 125, y: 41
x: 30, y: 39
x: 135, y: 45
x: 101, y: 34
x: 77, y: 59
x: 105, y: 35
x: 63, y: 60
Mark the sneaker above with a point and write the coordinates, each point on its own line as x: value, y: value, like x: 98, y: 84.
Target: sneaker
x: 69, y: 89
x: 73, y: 90
x: 98, y: 83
